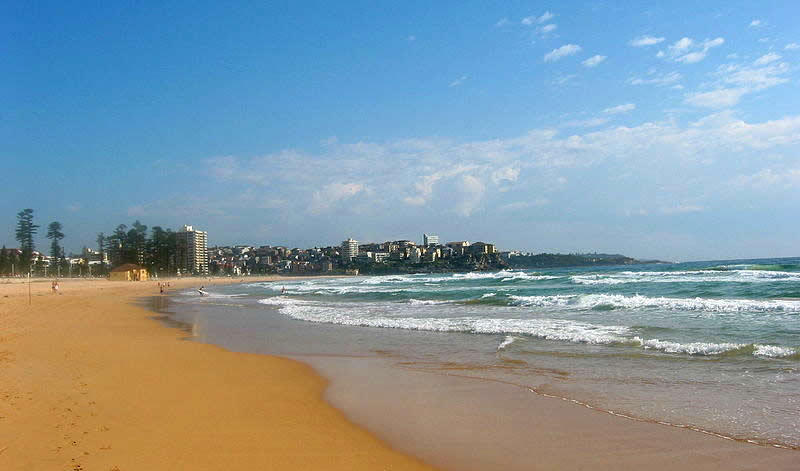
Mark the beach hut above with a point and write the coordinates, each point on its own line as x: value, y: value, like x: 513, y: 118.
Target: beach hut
x: 128, y: 272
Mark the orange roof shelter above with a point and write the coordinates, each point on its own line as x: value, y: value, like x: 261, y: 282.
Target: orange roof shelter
x: 128, y: 272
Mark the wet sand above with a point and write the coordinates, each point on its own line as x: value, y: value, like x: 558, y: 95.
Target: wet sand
x: 89, y: 382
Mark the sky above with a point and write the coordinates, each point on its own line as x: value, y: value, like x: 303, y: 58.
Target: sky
x: 662, y: 130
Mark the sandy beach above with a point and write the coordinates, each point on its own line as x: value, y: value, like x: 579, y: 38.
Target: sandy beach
x: 89, y: 381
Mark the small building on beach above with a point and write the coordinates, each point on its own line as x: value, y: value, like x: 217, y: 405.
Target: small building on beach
x: 128, y: 272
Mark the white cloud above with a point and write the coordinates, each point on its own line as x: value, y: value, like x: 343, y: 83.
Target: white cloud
x: 501, y: 22
x: 692, y: 57
x: 546, y: 16
x: 620, y: 108
x: 471, y: 191
x: 520, y: 205
x: 505, y: 174
x: 645, y: 41
x: 735, y: 81
x: 767, y: 58
x: 688, y: 51
x: 593, y: 61
x: 447, y: 175
x: 457, y: 82
x: 768, y: 179
x: 757, y: 23
x: 561, y: 52
x: 663, y: 79
x: 327, y: 198
x: 586, y: 123
x: 792, y: 47
x: 682, y: 209
x: 721, y: 98
x: 544, y: 30
x: 681, y: 45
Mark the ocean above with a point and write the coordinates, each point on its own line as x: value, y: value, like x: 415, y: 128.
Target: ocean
x: 709, y: 346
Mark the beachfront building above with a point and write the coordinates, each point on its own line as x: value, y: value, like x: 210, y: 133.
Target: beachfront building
x: 430, y: 239
x: 192, y: 251
x: 128, y: 272
x: 349, y: 249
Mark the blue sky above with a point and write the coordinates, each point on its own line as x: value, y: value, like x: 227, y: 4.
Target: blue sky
x: 655, y: 129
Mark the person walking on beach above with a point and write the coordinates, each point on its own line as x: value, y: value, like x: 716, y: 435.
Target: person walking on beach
x: 160, y: 288
x: 55, y: 287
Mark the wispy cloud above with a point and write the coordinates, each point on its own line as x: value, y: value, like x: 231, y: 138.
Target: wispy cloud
x: 767, y: 58
x: 546, y: 29
x: 501, y: 22
x: 645, y: 41
x: 757, y: 23
x: 593, y: 61
x: 682, y: 209
x: 561, y: 52
x: 329, y: 196
x: 688, y: 51
x: 457, y: 82
x: 544, y: 17
x: 735, y: 81
x: 722, y: 98
x: 655, y: 79
x: 586, y: 123
x: 620, y: 108
x: 792, y: 47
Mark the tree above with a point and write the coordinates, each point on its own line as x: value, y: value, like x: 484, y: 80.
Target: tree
x: 101, y: 244
x: 4, y: 263
x: 26, y: 229
x: 54, y: 233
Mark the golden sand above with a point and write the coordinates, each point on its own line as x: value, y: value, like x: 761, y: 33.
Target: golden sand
x: 89, y: 382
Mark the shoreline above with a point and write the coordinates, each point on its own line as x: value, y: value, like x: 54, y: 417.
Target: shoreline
x: 89, y: 381
x: 407, y: 404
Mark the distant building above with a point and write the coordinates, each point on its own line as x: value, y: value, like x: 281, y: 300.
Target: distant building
x: 128, y: 272
x: 349, y: 249
x: 430, y: 239
x: 192, y: 251
x: 482, y: 248
x: 459, y: 247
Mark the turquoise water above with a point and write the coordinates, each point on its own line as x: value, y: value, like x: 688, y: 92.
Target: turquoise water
x: 709, y: 345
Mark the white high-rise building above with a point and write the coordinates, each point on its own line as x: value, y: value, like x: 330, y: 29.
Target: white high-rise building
x: 192, y: 251
x: 349, y: 249
x: 430, y: 239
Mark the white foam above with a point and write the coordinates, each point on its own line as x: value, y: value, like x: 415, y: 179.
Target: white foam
x: 773, y: 351
x: 590, y: 301
x: 694, y: 348
x: 506, y: 342
x: 426, y: 302
x: 551, y: 329
x: 697, y: 276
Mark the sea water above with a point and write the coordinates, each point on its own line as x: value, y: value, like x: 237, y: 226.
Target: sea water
x: 713, y: 346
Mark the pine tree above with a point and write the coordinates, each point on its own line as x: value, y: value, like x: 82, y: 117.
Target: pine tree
x: 26, y: 229
x: 4, y: 263
x: 54, y: 233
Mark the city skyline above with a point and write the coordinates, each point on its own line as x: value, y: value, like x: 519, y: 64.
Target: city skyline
x: 555, y: 127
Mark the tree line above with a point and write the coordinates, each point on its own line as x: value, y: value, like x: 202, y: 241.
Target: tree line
x: 155, y: 250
